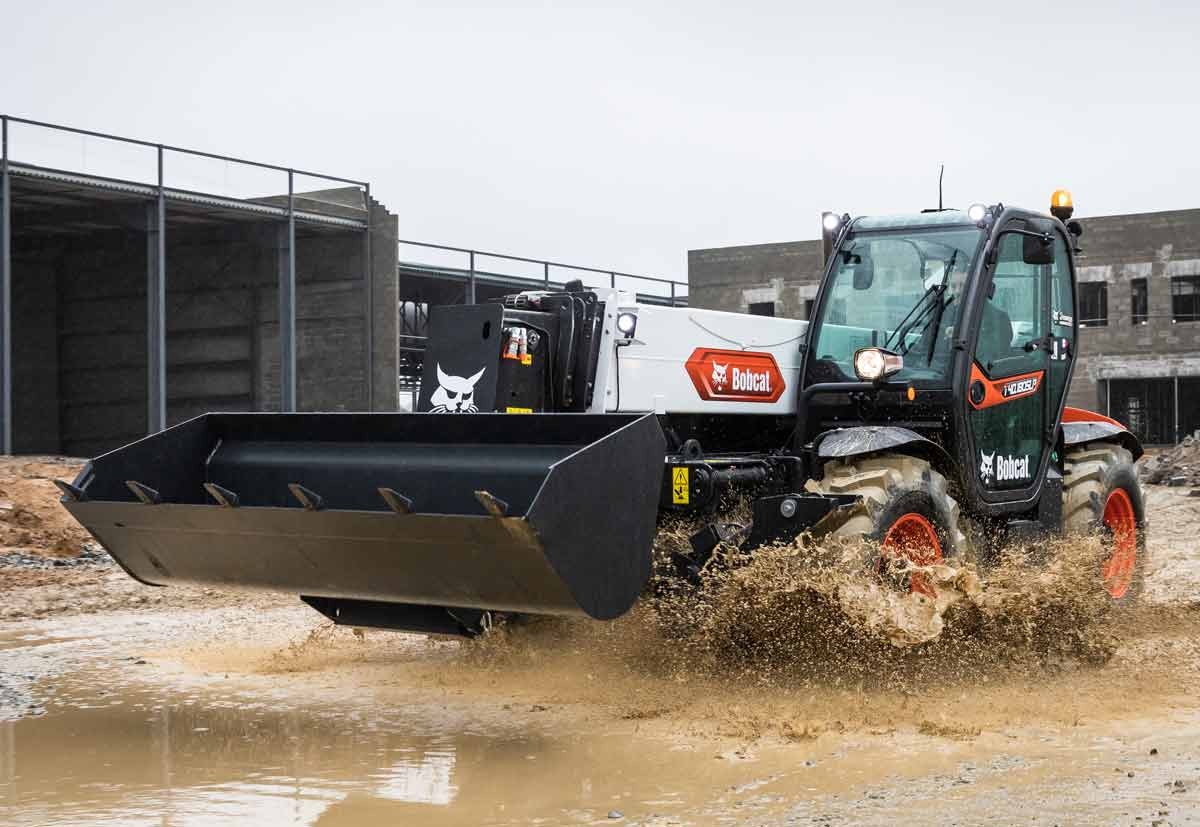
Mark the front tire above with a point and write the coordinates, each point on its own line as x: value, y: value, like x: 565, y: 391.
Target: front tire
x: 906, y: 510
x: 1101, y: 495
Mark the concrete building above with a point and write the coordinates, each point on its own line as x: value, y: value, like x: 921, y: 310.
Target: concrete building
x: 130, y: 305
x: 1138, y: 304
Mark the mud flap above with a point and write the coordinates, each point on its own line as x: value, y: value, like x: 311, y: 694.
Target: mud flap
x: 547, y: 514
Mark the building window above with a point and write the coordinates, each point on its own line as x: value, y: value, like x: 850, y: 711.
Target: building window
x: 762, y: 308
x: 1139, y: 296
x: 1093, y: 304
x: 1185, y: 298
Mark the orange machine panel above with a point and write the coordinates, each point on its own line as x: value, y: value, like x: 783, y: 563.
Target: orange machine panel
x: 999, y: 391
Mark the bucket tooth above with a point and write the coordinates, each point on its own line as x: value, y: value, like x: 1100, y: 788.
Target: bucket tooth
x: 492, y: 504
x: 72, y: 492
x: 144, y: 493
x: 224, y: 497
x: 311, y: 500
x: 396, y: 501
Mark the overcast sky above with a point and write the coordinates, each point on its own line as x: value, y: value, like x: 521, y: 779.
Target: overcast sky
x: 622, y: 137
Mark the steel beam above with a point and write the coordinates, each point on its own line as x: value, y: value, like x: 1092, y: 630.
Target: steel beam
x: 471, y: 279
x: 156, y: 308
x: 287, y: 304
x: 6, y: 430
x: 1176, y: 394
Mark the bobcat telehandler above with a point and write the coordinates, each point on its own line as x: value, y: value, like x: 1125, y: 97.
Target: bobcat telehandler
x: 927, y: 392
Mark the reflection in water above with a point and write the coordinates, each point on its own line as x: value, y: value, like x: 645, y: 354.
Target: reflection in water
x: 142, y: 761
x: 424, y: 781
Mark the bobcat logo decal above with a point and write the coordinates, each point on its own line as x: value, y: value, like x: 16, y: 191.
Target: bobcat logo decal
x: 987, y: 466
x: 719, y: 375
x: 455, y: 394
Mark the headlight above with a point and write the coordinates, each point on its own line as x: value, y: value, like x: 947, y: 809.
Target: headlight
x: 872, y: 363
x: 830, y: 221
x: 627, y: 323
x: 976, y: 212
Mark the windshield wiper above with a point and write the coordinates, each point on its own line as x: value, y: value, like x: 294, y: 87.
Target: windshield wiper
x: 916, y: 314
x: 922, y: 308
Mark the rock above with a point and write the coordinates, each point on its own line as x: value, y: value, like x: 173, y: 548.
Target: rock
x: 1154, y: 750
x: 615, y: 814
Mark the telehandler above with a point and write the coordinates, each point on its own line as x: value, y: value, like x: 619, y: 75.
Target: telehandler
x: 924, y: 396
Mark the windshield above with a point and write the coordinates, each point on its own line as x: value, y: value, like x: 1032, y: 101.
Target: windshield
x: 899, y: 290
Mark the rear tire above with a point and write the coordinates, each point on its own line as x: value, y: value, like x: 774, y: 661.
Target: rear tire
x: 1101, y: 494
x: 906, y: 509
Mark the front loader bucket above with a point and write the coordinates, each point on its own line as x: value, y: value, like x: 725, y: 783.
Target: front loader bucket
x: 541, y: 513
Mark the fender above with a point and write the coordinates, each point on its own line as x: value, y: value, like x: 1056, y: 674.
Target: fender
x: 1080, y: 426
x: 870, y: 439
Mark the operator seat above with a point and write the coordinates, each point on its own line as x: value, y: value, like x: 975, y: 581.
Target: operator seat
x: 996, y: 332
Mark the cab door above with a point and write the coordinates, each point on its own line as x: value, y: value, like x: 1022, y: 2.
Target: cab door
x: 1009, y: 393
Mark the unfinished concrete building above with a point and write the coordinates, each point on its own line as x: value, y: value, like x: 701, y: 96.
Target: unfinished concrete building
x: 130, y: 305
x: 1138, y: 304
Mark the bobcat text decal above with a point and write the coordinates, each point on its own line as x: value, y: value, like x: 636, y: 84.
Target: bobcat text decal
x: 735, y: 375
x: 993, y: 468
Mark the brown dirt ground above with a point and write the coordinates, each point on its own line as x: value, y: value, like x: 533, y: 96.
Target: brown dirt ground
x: 31, y: 520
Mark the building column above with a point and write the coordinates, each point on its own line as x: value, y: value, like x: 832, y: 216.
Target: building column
x: 6, y: 435
x: 369, y: 289
x: 286, y: 253
x: 156, y: 308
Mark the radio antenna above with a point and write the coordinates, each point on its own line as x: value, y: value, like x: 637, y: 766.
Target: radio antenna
x: 941, y: 172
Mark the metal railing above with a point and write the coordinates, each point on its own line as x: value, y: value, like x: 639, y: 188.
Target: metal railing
x: 162, y: 148
x: 673, y: 294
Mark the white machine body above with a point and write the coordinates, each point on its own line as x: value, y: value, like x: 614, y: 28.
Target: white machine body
x: 689, y: 360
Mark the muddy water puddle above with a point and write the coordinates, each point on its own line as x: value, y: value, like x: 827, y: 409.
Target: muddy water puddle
x: 122, y: 754
x: 136, y: 725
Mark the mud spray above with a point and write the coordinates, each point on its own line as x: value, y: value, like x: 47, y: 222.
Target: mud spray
x: 806, y: 638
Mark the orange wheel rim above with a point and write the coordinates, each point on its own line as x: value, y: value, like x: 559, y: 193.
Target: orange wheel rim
x: 1119, y: 519
x: 913, y: 538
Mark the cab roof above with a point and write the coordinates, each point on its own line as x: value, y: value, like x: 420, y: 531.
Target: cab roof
x: 942, y: 218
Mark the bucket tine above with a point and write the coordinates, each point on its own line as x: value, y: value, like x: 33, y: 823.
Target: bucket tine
x: 396, y: 501
x: 492, y: 504
x: 224, y: 497
x: 145, y: 493
x: 311, y: 500
x: 72, y: 492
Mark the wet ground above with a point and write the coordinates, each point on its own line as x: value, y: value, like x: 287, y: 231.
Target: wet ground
x: 252, y: 709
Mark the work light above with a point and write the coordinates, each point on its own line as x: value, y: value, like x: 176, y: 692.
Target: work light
x: 627, y: 323
x: 873, y: 363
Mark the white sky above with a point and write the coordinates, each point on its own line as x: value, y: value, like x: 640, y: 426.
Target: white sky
x: 622, y: 137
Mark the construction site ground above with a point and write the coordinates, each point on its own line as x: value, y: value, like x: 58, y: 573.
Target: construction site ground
x: 126, y: 704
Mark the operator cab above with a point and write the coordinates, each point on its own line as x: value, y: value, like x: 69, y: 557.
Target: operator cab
x: 959, y: 326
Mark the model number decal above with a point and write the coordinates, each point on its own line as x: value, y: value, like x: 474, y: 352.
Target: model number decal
x: 1019, y: 387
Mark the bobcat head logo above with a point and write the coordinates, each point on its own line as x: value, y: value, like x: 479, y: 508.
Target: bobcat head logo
x: 455, y: 394
x: 719, y: 376
x: 987, y: 466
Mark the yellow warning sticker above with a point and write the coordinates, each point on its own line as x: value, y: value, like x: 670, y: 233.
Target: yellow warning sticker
x: 679, y: 486
x: 518, y: 410
x: 527, y: 359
